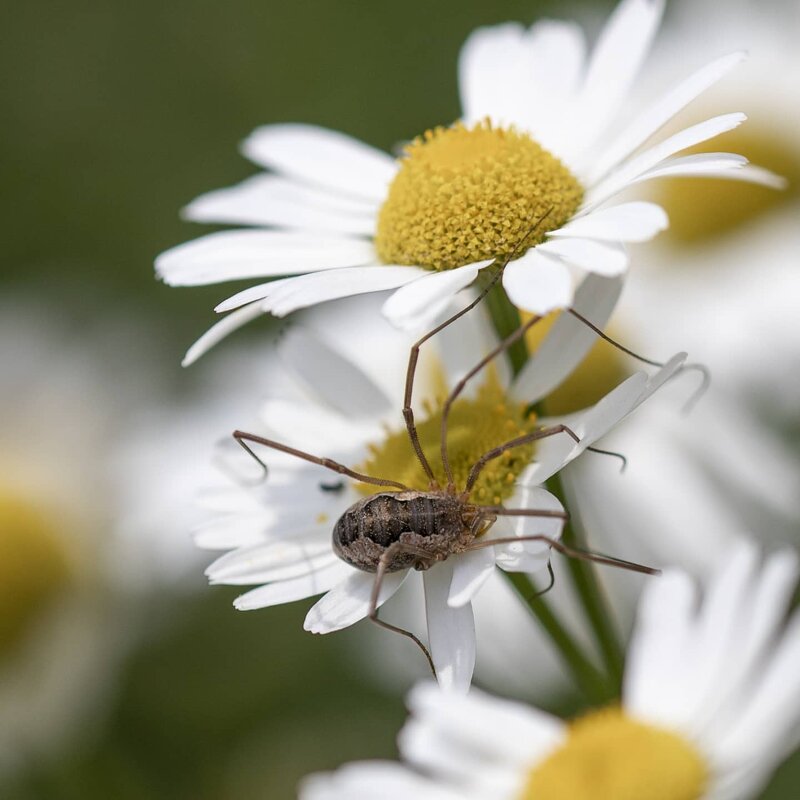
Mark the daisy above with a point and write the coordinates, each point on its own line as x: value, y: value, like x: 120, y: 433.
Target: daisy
x: 530, y: 168
x: 280, y: 531
x: 710, y: 707
x: 64, y: 624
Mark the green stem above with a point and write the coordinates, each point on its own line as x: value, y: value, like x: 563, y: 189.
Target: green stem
x: 506, y: 320
x: 593, y: 598
x: 590, y: 680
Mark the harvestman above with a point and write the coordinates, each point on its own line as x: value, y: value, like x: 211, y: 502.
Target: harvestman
x: 401, y: 528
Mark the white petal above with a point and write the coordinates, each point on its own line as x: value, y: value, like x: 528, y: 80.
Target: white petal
x: 617, y: 56
x: 340, y: 383
x: 288, y: 591
x: 470, y: 571
x: 520, y: 77
x: 274, y: 200
x: 490, y: 80
x: 322, y: 157
x: 604, y: 258
x: 628, y: 222
x: 520, y: 735
x: 538, y: 283
x: 216, y: 333
x: 275, y: 561
x: 569, y: 339
x: 656, y: 116
x: 348, y: 602
x: 712, y: 165
x: 555, y: 452
x: 231, y: 255
x: 530, y: 556
x: 451, y: 631
x: 418, y: 302
x: 287, y: 295
x: 631, y: 170
x: 369, y: 780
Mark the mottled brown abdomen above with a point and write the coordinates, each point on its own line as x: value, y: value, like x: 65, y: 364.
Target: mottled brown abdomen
x: 362, y: 534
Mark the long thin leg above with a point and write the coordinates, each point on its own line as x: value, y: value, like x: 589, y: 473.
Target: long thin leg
x: 459, y: 387
x: 520, y: 440
x: 328, y: 463
x: 413, y: 357
x: 395, y: 549
x: 701, y: 368
x: 571, y: 552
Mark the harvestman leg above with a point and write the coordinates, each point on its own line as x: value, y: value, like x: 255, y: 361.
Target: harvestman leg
x: 518, y: 442
x: 395, y: 549
x: 328, y: 463
x: 566, y: 550
x: 413, y: 356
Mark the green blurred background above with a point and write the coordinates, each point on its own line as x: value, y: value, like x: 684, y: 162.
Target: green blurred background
x: 115, y: 115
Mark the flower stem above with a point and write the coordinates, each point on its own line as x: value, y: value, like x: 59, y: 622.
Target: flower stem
x: 506, y: 320
x: 593, y: 598
x: 590, y: 680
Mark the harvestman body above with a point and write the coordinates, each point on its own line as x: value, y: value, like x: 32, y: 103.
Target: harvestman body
x: 401, y: 528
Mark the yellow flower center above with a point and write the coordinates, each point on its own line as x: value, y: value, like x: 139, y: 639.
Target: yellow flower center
x: 702, y: 210
x: 608, y: 756
x: 34, y: 567
x: 475, y: 425
x: 467, y: 194
x: 602, y: 369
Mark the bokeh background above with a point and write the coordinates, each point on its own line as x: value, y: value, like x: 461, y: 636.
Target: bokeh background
x: 121, y: 674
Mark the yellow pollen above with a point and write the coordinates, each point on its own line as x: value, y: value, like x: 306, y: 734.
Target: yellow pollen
x: 475, y: 425
x: 321, y: 517
x: 467, y: 194
x: 608, y: 756
x: 602, y: 369
x: 702, y: 210
x: 34, y: 568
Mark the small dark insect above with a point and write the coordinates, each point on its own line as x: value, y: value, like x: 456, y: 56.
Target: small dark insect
x: 400, y: 528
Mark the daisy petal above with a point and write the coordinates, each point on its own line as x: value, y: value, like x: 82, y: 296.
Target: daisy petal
x: 231, y: 255
x: 451, y: 631
x: 470, y: 571
x: 657, y: 115
x: 284, y: 296
x: 555, y: 452
x: 712, y: 165
x: 489, y: 77
x: 260, y: 200
x: 415, y: 303
x: 628, y: 222
x: 538, y: 283
x: 370, y: 779
x: 657, y: 154
x: 604, y: 258
x: 321, y: 580
x: 275, y: 561
x: 617, y: 56
x: 348, y: 602
x: 569, y: 339
x: 216, y: 333
x: 340, y: 383
x: 322, y: 157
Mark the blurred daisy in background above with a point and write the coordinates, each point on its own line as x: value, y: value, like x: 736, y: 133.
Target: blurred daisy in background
x: 710, y: 708
x: 280, y: 532
x: 63, y: 623
x: 94, y: 493
x: 530, y: 168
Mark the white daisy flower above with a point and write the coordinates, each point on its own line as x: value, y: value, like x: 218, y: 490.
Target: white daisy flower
x: 531, y: 167
x: 280, y: 532
x: 64, y: 624
x: 710, y: 707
